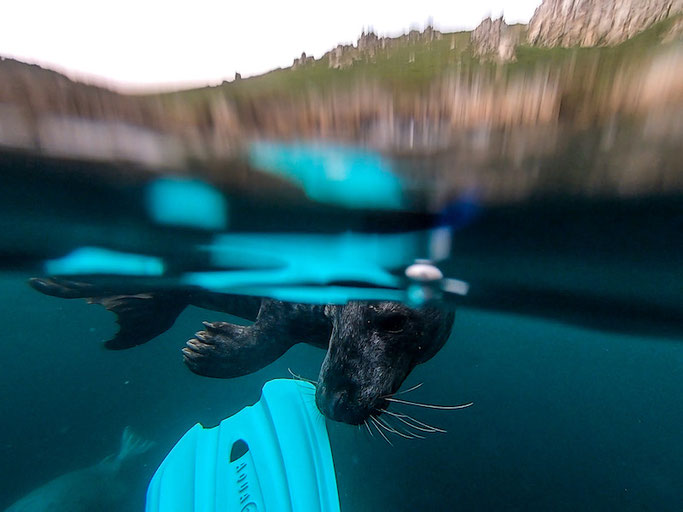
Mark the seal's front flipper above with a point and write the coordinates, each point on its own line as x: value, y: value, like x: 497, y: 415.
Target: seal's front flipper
x: 141, y: 317
x: 226, y: 350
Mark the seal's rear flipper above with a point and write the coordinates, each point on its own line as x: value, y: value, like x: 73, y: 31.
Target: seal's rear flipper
x: 132, y: 445
x: 141, y: 317
x: 63, y: 288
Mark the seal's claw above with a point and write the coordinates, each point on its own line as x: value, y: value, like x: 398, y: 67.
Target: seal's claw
x: 190, y: 359
x: 197, y: 346
x: 204, y: 337
x: 224, y: 350
x: 214, y: 327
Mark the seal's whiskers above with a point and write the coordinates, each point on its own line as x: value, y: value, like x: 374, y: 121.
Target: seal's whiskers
x: 413, y: 423
x: 365, y: 422
x: 385, y: 424
x: 379, y: 429
x: 407, y: 434
x: 429, y: 406
x: 299, y: 377
x: 409, y: 421
x: 404, y: 391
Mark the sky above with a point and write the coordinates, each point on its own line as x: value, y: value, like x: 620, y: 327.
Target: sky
x: 134, y: 45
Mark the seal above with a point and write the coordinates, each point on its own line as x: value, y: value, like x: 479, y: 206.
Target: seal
x: 108, y: 485
x: 371, y: 346
x: 371, y: 349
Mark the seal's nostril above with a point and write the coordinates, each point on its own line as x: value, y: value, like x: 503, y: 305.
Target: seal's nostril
x: 338, y: 400
x: 336, y: 405
x: 343, y: 401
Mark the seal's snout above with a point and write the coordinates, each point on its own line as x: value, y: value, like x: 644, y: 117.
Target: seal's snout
x: 340, y: 405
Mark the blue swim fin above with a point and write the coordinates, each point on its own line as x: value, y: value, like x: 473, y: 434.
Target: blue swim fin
x: 272, y: 456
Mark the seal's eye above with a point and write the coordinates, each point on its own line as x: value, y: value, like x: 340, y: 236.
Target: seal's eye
x: 395, y: 322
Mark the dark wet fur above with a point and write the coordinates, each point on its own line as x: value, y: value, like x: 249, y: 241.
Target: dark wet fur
x: 226, y: 350
x: 371, y: 347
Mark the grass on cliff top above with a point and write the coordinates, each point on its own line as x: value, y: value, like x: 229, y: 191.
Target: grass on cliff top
x: 406, y: 67
x: 413, y: 67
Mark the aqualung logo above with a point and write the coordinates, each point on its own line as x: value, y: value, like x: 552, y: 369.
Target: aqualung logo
x: 241, y: 471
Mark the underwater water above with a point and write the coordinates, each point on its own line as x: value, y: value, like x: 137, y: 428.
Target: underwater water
x: 564, y: 418
x: 568, y: 343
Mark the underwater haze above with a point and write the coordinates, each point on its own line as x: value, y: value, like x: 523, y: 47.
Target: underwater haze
x: 564, y: 418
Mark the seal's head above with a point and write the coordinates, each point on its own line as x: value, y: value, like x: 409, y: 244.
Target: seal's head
x: 373, y: 348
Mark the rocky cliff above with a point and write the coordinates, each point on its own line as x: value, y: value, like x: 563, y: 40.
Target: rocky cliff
x: 495, y: 39
x: 595, y: 22
x: 370, y: 44
x: 42, y: 110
